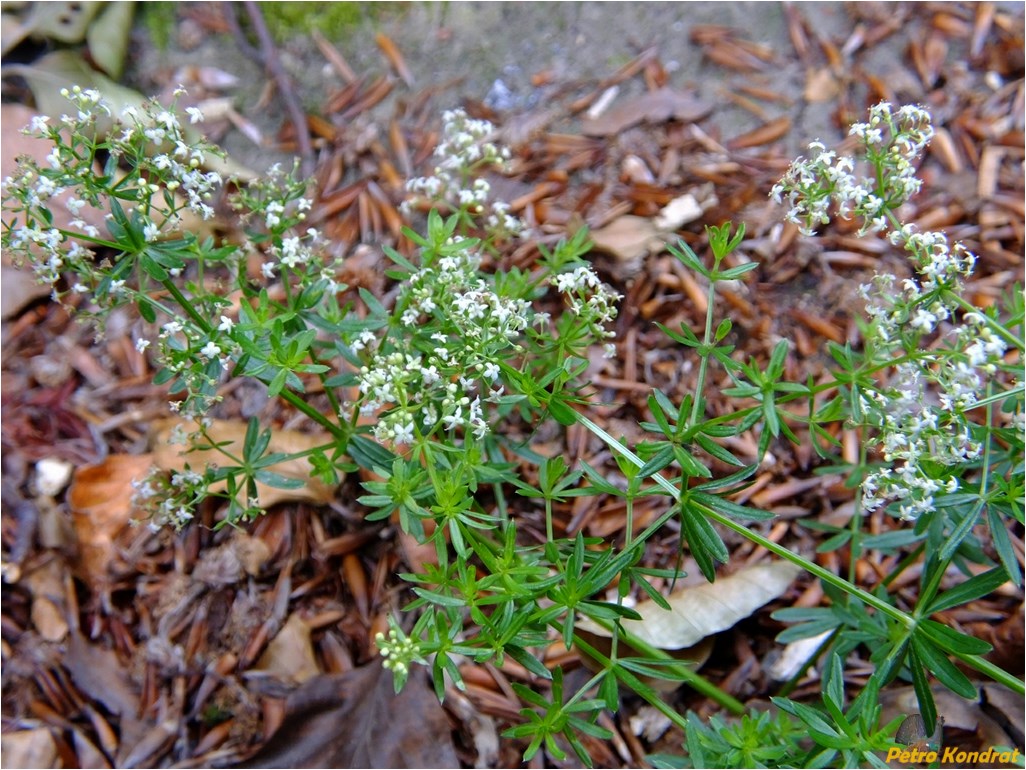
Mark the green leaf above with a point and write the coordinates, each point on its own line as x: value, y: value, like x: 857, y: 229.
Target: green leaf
x: 272, y: 479
x: 953, y: 641
x: 146, y: 310
x: 974, y: 588
x: 706, y: 545
x: 562, y: 412
x: 941, y: 667
x: 1003, y: 545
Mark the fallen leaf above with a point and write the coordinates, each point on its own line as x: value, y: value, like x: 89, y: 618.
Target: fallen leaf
x: 49, y: 613
x: 100, y: 499
x: 356, y: 720
x: 171, y: 456
x: 821, y: 85
x: 290, y: 655
x: 700, y: 611
x: 253, y: 552
x: 680, y: 211
x: 657, y: 106
x: 29, y: 748
x: 102, y: 676
x: 628, y: 238
x: 108, y: 37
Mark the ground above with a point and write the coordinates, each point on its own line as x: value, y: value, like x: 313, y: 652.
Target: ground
x: 125, y: 648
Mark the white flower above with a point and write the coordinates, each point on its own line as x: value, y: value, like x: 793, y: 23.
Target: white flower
x: 226, y: 324
x: 195, y: 115
x: 210, y: 350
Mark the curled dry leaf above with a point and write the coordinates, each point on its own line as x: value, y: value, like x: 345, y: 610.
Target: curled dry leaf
x: 171, y: 457
x: 100, y: 498
x: 700, y: 611
x: 628, y: 238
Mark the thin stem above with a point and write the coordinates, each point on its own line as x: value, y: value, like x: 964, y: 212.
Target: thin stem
x: 703, y: 363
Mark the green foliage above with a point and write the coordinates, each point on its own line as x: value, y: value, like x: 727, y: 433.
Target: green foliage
x: 459, y: 353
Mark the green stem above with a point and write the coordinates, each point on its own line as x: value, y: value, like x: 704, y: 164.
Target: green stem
x: 680, y: 670
x: 997, y: 328
x: 342, y: 434
x: 703, y: 362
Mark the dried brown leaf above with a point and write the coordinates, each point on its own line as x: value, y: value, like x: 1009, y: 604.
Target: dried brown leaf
x: 290, y: 655
x: 628, y: 238
x: 653, y: 107
x: 356, y: 720
x: 49, y: 613
x: 29, y: 748
x: 391, y: 51
x: 100, y: 498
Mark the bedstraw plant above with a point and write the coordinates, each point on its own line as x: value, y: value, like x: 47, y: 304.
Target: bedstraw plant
x: 432, y: 392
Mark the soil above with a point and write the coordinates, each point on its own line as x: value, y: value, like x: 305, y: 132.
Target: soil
x: 491, y: 53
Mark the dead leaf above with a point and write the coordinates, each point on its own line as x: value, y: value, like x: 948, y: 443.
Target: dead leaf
x: 170, y: 456
x: 356, y: 720
x: 100, y: 498
x: 768, y: 132
x: 253, y: 552
x: 108, y: 37
x: 290, y: 655
x: 49, y: 613
x: 680, y: 211
x: 100, y: 675
x: 700, y: 611
x: 29, y: 748
x: 628, y: 238
x: 821, y: 85
x: 657, y: 106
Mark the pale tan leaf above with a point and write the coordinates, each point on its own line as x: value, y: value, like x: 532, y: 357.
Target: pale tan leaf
x: 108, y: 36
x: 290, y: 655
x: 656, y: 106
x: 49, y: 613
x: 700, y: 611
x: 29, y: 748
x: 628, y: 238
x: 64, y: 22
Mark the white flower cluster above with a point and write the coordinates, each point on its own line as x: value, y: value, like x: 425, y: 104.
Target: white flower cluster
x: 892, y: 141
x: 399, y: 651
x: 589, y: 299
x: 919, y: 417
x: 168, y: 501
x: 914, y: 436
x: 177, y: 170
x: 165, y: 177
x: 465, y: 149
x: 197, y: 358
x: 442, y: 381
